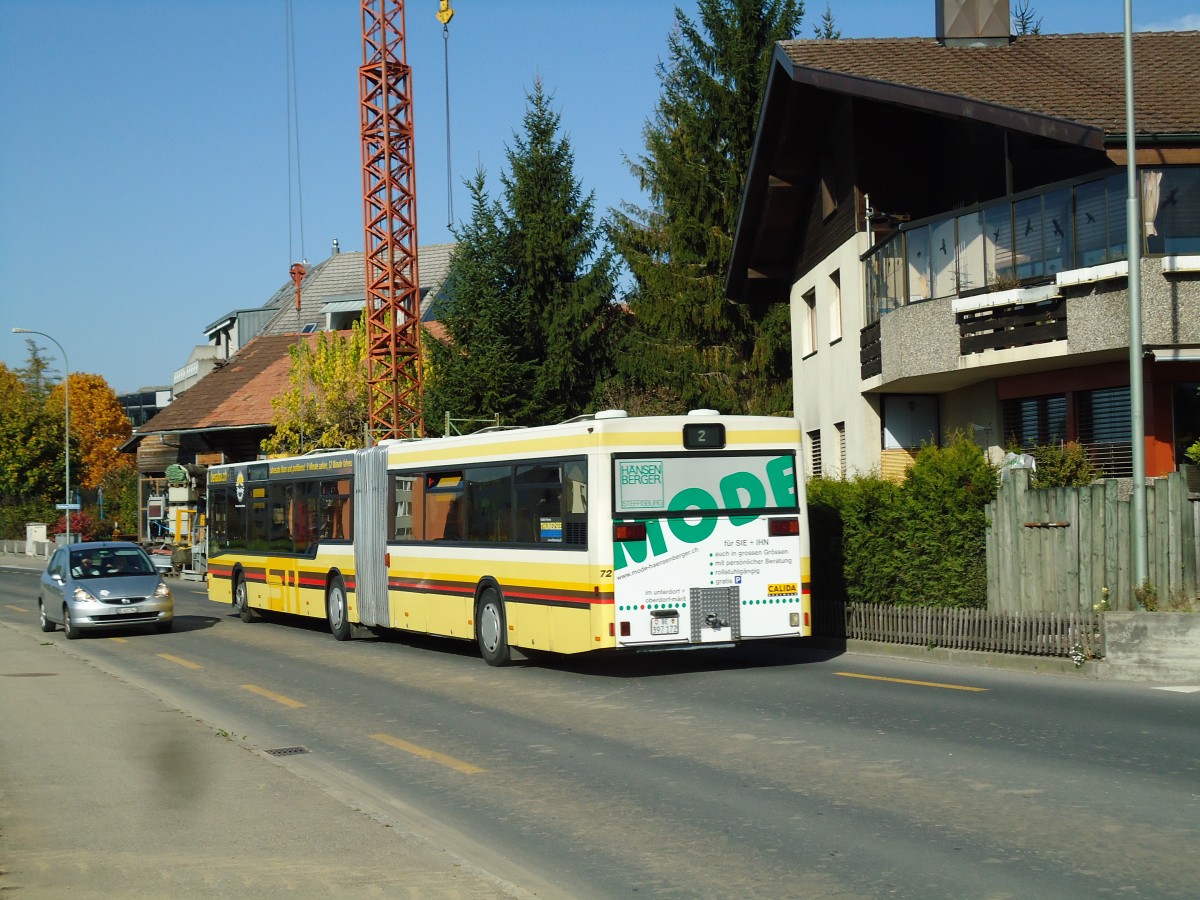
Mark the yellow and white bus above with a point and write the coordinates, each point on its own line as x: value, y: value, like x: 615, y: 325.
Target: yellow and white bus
x: 605, y: 532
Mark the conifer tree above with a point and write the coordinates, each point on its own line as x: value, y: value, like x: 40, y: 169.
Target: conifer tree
x: 826, y: 29
x: 687, y: 342
x: 530, y: 291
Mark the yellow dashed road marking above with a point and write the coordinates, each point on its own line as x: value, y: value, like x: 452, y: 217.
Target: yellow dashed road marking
x: 15, y: 608
x: 936, y: 684
x: 457, y: 765
x: 187, y: 663
x: 271, y: 695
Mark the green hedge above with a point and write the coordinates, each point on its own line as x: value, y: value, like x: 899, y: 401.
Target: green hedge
x: 919, y: 542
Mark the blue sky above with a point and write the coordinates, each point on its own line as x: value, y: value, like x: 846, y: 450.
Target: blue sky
x: 144, y: 187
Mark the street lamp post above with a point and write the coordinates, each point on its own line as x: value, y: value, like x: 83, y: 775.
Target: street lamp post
x: 66, y: 424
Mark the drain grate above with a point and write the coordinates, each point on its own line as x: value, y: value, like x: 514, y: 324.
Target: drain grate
x: 286, y: 751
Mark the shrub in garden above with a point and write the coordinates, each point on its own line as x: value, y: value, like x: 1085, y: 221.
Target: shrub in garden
x: 919, y: 542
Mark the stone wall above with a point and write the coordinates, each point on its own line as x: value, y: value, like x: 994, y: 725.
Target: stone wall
x: 1158, y: 646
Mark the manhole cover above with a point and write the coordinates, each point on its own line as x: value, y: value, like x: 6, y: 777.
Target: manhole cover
x: 287, y: 751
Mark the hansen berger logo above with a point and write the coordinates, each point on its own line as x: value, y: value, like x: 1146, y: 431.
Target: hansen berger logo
x: 240, y: 487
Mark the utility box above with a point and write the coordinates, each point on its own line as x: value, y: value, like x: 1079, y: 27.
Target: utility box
x: 35, y: 533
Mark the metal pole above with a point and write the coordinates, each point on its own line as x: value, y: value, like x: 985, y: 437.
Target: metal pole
x: 1134, y: 240
x: 66, y: 424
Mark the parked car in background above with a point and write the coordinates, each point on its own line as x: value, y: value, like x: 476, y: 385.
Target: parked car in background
x: 103, y: 584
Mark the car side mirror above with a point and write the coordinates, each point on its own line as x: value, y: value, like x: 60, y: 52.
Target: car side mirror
x: 56, y: 577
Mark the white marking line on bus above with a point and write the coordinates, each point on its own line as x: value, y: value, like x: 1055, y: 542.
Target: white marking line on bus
x: 15, y: 608
x: 936, y: 684
x: 186, y: 663
x: 457, y: 765
x: 271, y: 695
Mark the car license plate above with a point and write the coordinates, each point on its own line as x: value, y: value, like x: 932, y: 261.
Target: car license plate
x: 664, y: 625
x: 128, y: 611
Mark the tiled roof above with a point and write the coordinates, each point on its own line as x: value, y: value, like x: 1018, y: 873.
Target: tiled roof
x: 342, y: 276
x: 1075, y: 77
x: 235, y: 395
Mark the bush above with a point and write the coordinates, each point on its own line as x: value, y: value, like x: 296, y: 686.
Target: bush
x: 920, y: 542
x: 15, y: 514
x: 1065, y: 464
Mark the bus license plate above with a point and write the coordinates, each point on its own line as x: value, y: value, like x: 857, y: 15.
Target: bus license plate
x: 664, y: 625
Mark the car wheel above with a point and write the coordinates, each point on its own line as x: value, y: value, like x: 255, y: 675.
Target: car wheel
x: 336, y: 609
x: 69, y: 626
x: 241, y: 599
x: 491, y: 629
x: 46, y: 624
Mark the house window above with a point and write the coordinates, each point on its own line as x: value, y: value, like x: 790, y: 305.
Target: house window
x: 1105, y: 429
x: 814, y: 453
x: 1035, y: 420
x: 909, y: 421
x: 840, y: 427
x: 810, y: 322
x: 1185, y: 411
x: 835, y: 306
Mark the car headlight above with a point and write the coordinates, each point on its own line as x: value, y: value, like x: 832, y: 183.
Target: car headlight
x: 82, y: 596
x: 162, y: 592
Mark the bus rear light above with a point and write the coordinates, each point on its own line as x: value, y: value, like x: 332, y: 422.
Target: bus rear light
x: 789, y: 527
x: 806, y: 620
x: 629, y: 531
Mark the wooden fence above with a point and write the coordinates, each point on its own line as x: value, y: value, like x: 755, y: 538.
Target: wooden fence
x: 1070, y: 549
x: 1037, y: 633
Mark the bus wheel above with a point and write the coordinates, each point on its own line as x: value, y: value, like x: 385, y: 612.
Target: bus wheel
x: 335, y: 607
x: 241, y: 599
x: 491, y: 631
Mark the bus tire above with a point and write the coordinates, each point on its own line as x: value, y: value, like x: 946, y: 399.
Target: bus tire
x: 336, y: 609
x: 241, y: 599
x: 491, y: 628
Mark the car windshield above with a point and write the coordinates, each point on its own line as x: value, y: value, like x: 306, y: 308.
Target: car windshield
x: 110, y: 562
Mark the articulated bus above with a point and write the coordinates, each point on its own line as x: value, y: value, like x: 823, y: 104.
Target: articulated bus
x: 607, y: 532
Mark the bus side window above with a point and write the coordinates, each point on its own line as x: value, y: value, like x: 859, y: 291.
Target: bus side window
x: 335, y: 510
x: 443, y: 506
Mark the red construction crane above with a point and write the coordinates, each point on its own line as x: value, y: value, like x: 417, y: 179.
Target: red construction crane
x: 393, y: 327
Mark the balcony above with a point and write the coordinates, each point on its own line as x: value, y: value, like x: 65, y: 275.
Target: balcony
x: 1027, y: 239
x: 1003, y: 264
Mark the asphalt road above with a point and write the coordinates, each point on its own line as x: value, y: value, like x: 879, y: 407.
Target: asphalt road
x: 775, y: 771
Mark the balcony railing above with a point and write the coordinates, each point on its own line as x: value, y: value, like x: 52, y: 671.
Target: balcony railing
x: 1028, y: 238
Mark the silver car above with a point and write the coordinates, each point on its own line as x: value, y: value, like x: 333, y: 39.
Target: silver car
x: 103, y: 584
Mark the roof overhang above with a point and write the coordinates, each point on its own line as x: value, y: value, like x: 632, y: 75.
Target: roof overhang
x: 769, y: 191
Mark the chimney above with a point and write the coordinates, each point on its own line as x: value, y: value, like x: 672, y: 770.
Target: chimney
x: 337, y: 248
x: 972, y: 23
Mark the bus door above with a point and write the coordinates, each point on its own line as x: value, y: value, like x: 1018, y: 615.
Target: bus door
x: 281, y: 566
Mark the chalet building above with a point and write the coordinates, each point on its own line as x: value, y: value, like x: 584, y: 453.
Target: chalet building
x: 222, y: 409
x: 947, y: 220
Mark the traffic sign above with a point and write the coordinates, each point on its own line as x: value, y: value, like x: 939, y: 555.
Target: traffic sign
x: 66, y: 506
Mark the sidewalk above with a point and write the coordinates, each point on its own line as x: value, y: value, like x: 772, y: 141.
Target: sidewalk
x: 107, y: 791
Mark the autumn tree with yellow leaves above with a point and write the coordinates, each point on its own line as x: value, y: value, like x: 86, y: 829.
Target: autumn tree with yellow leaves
x: 99, y: 426
x: 326, y: 404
